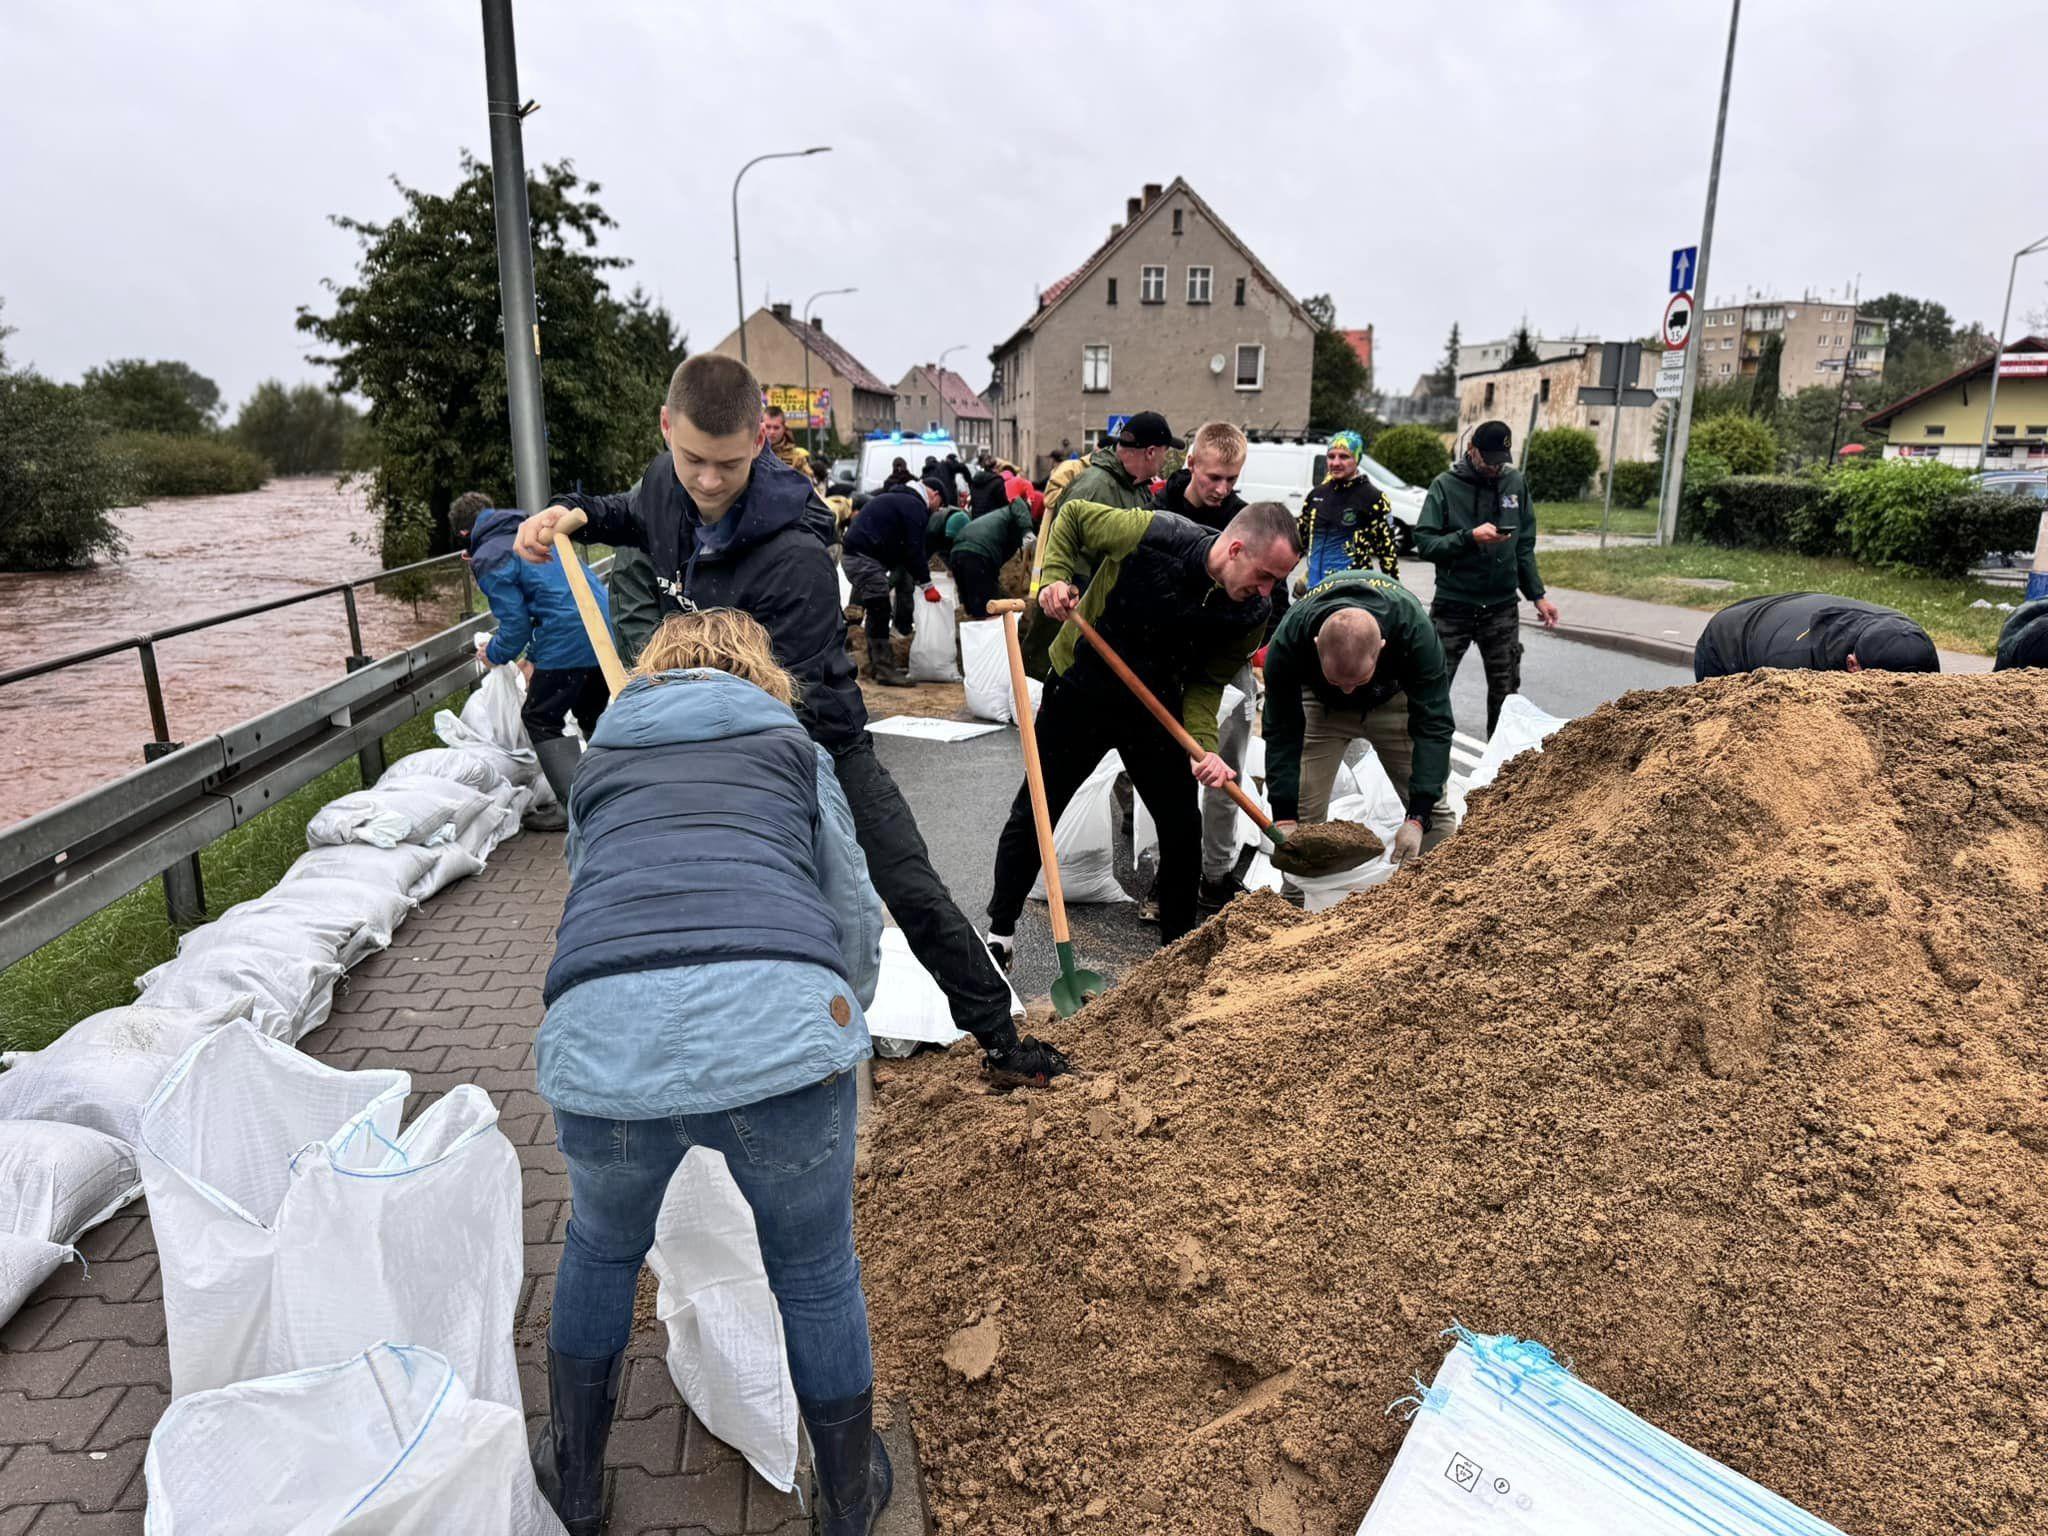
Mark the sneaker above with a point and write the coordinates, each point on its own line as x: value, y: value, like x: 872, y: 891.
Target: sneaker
x: 1148, y: 908
x: 1212, y: 896
x: 1002, y: 951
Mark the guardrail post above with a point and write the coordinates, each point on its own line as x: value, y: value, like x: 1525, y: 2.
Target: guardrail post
x: 371, y: 759
x: 184, y: 888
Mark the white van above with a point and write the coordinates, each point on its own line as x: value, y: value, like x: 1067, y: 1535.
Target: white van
x: 1287, y: 472
x: 879, y: 452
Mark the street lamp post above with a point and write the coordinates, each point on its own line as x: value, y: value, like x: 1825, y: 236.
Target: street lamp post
x: 1998, y: 358
x: 738, y: 283
x: 810, y: 440
x: 939, y: 379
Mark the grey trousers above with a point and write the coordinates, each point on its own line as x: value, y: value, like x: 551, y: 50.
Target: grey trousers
x: 1219, y: 811
x: 1326, y: 733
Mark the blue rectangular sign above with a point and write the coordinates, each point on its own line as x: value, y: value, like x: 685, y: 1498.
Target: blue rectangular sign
x: 1116, y: 425
x: 1684, y: 264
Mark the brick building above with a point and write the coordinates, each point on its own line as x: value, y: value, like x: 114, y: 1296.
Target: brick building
x: 1172, y: 313
x: 1552, y: 387
x: 858, y: 403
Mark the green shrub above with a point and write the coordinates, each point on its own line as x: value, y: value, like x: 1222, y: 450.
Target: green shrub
x: 57, y: 481
x: 187, y: 466
x: 1814, y: 526
x: 1699, y: 508
x: 1902, y: 516
x: 1636, y: 481
x: 1560, y: 463
x: 1745, y: 444
x: 1993, y: 523
x: 1754, y: 511
x: 1413, y: 452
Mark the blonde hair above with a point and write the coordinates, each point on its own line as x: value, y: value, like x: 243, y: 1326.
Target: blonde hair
x: 723, y: 639
x: 1222, y: 439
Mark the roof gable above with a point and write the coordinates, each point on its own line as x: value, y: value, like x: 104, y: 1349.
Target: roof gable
x: 835, y: 356
x: 1981, y: 365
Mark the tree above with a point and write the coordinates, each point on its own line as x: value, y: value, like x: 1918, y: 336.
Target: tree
x: 304, y: 430
x: 1763, y: 388
x: 1447, y: 370
x: 1910, y: 321
x: 57, y: 483
x: 1523, y: 352
x: 1806, y: 422
x: 1747, y: 446
x: 418, y: 334
x: 1338, y: 377
x: 131, y: 395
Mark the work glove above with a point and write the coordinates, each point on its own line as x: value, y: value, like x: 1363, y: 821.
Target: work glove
x: 931, y: 594
x: 1407, y: 842
x: 1009, y: 1060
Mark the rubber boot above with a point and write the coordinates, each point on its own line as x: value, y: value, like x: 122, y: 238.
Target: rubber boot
x: 558, y: 758
x: 568, y: 1459
x: 852, y: 1468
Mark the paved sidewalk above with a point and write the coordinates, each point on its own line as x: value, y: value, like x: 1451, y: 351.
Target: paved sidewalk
x: 83, y: 1370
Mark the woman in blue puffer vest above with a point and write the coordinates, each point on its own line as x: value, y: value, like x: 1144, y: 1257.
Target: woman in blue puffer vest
x: 717, y: 949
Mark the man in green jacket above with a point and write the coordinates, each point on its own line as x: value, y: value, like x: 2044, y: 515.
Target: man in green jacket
x: 1478, y: 528
x: 981, y: 548
x: 1184, y: 607
x: 1357, y: 659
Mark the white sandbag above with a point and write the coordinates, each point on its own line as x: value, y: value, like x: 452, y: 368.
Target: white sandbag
x: 935, y: 635
x: 455, y: 763
x: 845, y: 589
x: 452, y: 862
x: 1507, y: 1442
x: 25, y: 1263
x: 494, y: 820
x: 291, y: 992
x: 387, y: 1443
x: 102, y: 1070
x: 326, y: 904
x: 910, y: 1008
x: 424, y: 811
x: 290, y: 929
x: 985, y: 666
x: 417, y: 872
x: 1084, y: 840
x: 58, y: 1181
x: 489, y: 725
x: 297, y: 1225
x: 726, y: 1352
x: 1521, y: 726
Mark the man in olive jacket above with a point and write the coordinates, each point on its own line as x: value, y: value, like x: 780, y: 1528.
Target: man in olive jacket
x: 1478, y: 528
x: 1357, y: 659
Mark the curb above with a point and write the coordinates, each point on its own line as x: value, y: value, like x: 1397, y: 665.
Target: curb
x: 906, y: 1514
x: 1674, y: 652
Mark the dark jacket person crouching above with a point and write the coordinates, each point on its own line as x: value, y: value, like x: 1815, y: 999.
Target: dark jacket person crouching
x: 1813, y: 632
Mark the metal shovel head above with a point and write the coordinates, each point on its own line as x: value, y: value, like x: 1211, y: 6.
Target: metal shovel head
x: 1324, y: 848
x: 1074, y: 986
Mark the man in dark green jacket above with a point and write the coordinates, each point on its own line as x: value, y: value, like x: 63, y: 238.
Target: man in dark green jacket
x: 1357, y: 659
x: 981, y: 548
x: 1478, y: 528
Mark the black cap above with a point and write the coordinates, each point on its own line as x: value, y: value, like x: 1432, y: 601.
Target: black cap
x: 1147, y: 429
x: 1494, y: 441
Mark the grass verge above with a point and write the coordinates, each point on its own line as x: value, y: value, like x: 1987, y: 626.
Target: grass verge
x: 1939, y: 606
x: 94, y: 966
x: 1584, y: 517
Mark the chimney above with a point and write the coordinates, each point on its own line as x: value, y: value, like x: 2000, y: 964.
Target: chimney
x: 1152, y: 191
x: 780, y: 311
x: 818, y: 324
x: 1115, y: 230
x: 1132, y: 208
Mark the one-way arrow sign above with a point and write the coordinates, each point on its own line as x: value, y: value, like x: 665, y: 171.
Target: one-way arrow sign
x: 1683, y: 264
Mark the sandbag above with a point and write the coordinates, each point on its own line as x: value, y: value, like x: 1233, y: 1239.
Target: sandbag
x: 291, y: 992
x: 417, y: 872
x: 985, y: 667
x: 102, y: 1070
x: 935, y: 635
x: 910, y: 1008
x: 726, y: 1352
x: 292, y: 928
x: 1507, y: 1442
x: 489, y: 726
x: 296, y: 1225
x: 455, y: 763
x: 1084, y: 840
x: 25, y: 1263
x: 325, y: 905
x: 387, y: 1443
x: 59, y: 1181
x: 494, y: 820
x: 423, y: 811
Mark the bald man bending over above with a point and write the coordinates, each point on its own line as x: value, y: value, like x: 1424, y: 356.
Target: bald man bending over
x: 1359, y: 660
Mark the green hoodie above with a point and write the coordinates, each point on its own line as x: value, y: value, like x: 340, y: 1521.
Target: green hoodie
x: 996, y: 536
x: 1483, y: 575
x: 1411, y: 663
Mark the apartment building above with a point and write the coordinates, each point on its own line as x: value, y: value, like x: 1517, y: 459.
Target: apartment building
x: 1821, y: 337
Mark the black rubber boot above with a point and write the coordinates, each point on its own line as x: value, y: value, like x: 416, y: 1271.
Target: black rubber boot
x: 852, y: 1469
x: 568, y: 1459
x: 558, y: 758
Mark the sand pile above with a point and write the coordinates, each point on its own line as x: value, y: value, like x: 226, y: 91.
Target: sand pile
x: 1713, y: 1053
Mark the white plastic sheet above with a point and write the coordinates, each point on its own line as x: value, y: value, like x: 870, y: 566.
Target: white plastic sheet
x: 924, y: 728
x: 297, y: 1225
x: 102, y: 1070
x: 726, y: 1351
x: 1084, y: 841
x: 1507, y: 1442
x: 985, y: 665
x: 935, y: 635
x: 58, y: 1181
x: 25, y: 1263
x: 389, y: 1442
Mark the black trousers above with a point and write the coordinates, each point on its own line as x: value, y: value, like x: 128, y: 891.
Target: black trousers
x: 979, y: 582
x: 1497, y: 631
x: 552, y: 692
x: 1077, y: 724
x: 938, y: 932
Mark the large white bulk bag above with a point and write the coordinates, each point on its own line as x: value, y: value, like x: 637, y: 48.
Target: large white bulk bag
x: 58, y: 1181
x: 1084, y: 840
x: 388, y: 1443
x: 726, y: 1351
x: 935, y: 635
x: 296, y: 1224
x: 102, y: 1070
x: 985, y: 665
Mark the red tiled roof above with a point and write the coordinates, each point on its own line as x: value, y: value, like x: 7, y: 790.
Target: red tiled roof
x: 836, y: 357
x: 1361, y: 343
x: 960, y: 395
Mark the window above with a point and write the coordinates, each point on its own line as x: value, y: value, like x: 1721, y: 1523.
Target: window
x: 1200, y: 279
x: 1152, y: 285
x: 1240, y: 291
x: 1095, y: 368
x: 1543, y: 391
x: 1091, y: 439
x: 2003, y: 430
x: 2037, y: 431
x: 1937, y: 431
x: 1176, y: 220
x: 1489, y: 397
x: 1712, y: 321
x: 1251, y: 367
x: 1112, y: 290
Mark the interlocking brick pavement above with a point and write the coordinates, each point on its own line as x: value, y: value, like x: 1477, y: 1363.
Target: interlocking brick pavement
x: 84, y: 1373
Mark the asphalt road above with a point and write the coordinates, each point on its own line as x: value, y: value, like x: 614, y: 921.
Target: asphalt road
x: 961, y: 794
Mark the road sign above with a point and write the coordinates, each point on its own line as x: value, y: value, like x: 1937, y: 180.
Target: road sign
x: 1116, y: 425
x: 1678, y: 321
x: 1620, y: 362
x: 1683, y: 264
x: 1671, y: 376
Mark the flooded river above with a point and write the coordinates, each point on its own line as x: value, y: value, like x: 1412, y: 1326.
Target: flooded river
x: 62, y: 734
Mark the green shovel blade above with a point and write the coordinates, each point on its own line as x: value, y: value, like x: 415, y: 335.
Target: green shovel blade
x: 1074, y: 986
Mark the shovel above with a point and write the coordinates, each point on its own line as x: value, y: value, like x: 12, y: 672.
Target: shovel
x: 1074, y: 986
x: 594, y: 626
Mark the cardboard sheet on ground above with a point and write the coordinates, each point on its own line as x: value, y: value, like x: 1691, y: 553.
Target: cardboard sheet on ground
x: 1507, y: 1442
x: 925, y: 729
x: 388, y: 1442
x: 726, y: 1351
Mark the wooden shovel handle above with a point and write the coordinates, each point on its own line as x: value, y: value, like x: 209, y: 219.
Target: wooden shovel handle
x: 1009, y: 605
x: 1034, y: 776
x: 594, y: 626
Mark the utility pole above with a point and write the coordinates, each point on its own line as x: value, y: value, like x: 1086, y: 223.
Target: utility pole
x: 1667, y: 512
x: 515, y: 259
x: 810, y: 433
x: 1848, y: 366
x: 1998, y: 358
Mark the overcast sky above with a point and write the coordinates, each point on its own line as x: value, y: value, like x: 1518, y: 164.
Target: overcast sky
x: 169, y: 169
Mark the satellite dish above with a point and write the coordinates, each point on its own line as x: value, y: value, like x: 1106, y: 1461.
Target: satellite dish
x: 1216, y: 363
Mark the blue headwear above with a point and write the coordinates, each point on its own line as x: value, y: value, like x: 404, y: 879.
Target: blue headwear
x: 1351, y: 440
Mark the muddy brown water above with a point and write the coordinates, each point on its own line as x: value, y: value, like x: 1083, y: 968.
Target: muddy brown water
x: 63, y: 734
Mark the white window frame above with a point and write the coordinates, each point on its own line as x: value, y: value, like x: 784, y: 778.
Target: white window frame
x: 1086, y: 349
x: 1091, y: 438
x: 1147, y: 293
x: 1237, y: 366
x: 1208, y: 285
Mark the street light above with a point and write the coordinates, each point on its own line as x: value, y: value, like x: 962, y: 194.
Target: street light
x: 1991, y: 405
x: 822, y: 293
x: 939, y: 369
x: 739, y: 285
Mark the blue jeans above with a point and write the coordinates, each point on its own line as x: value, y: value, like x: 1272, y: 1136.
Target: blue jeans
x: 791, y: 1156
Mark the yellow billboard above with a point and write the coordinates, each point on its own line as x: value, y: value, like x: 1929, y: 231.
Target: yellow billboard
x: 800, y: 412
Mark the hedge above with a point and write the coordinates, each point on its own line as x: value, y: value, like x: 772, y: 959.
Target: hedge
x: 1750, y: 511
x: 162, y: 465
x: 1636, y: 481
x: 1560, y: 462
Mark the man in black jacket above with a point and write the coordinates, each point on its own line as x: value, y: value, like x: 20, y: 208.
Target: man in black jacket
x: 727, y: 525
x: 1813, y: 631
x: 885, y: 558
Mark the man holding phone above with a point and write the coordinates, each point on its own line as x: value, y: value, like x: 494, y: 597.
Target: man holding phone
x: 1479, y: 530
